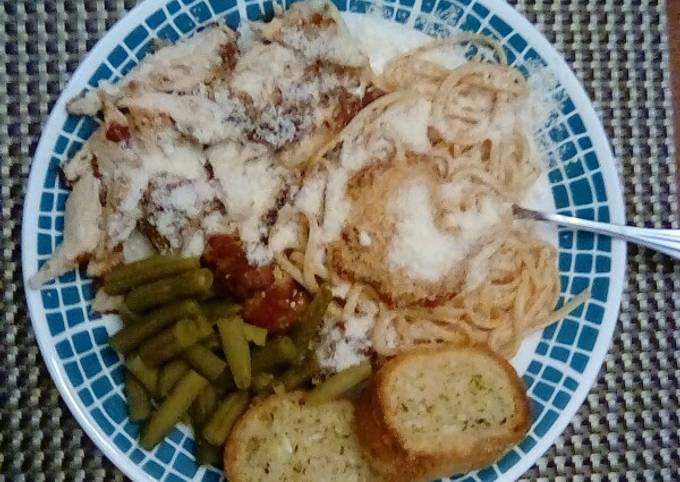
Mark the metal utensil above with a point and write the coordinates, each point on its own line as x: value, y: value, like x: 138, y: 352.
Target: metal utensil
x: 666, y: 241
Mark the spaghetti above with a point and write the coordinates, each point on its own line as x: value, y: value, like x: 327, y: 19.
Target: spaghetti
x: 508, y: 284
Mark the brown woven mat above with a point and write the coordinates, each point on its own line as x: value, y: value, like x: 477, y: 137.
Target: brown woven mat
x: 627, y: 429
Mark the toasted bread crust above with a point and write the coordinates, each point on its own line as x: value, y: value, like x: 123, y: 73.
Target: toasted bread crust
x: 385, y: 453
x: 388, y: 449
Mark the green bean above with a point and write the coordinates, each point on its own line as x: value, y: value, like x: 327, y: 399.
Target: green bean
x: 278, y: 351
x: 133, y: 335
x: 139, y: 404
x: 207, y: 295
x: 127, y: 276
x: 255, y: 334
x: 170, y: 375
x: 203, y: 407
x: 340, y: 383
x: 127, y: 315
x: 224, y: 383
x: 262, y: 382
x: 308, y: 324
x: 173, y: 408
x: 200, y: 411
x: 166, y: 290
x: 236, y: 349
x: 208, y: 454
x: 214, y: 310
x: 174, y: 340
x: 297, y: 376
x: 218, y: 427
x: 204, y: 361
x: 212, y: 342
x: 146, y: 375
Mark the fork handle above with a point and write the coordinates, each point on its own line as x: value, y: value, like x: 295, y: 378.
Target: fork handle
x: 666, y: 241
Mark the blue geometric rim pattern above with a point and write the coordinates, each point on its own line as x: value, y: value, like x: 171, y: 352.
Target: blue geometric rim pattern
x: 80, y: 337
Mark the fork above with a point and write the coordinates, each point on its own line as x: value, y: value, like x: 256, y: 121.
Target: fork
x: 665, y: 241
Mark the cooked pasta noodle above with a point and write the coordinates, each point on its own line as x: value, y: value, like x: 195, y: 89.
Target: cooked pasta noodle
x: 475, y: 143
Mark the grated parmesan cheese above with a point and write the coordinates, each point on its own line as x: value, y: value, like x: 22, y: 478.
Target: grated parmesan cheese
x: 337, y: 206
x: 284, y: 236
x: 347, y: 343
x: 310, y: 197
x: 214, y: 223
x: 428, y: 252
x: 408, y: 123
x: 195, y: 245
x: 172, y: 207
x: 260, y: 68
x: 419, y: 247
x: 364, y: 238
x: 250, y: 184
x: 340, y: 289
x: 168, y: 156
x: 136, y: 247
x: 200, y: 118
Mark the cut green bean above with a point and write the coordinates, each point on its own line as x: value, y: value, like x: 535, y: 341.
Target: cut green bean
x: 204, y: 361
x: 224, y: 383
x: 174, y: 340
x: 212, y: 342
x: 173, y: 408
x: 166, y: 290
x: 127, y: 315
x: 236, y: 349
x: 207, y: 295
x: 255, y: 334
x: 340, y: 383
x: 277, y: 351
x: 185, y: 419
x: 262, y: 382
x: 310, y: 320
x: 139, y: 404
x: 217, y: 429
x: 208, y: 454
x: 201, y: 410
x: 214, y: 310
x: 170, y: 375
x: 203, y: 407
x: 148, y: 376
x: 133, y: 335
x: 125, y: 277
x: 298, y: 376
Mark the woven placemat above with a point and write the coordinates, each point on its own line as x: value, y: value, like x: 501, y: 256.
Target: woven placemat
x: 628, y: 428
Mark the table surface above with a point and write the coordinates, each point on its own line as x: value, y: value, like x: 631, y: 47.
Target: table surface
x: 627, y: 429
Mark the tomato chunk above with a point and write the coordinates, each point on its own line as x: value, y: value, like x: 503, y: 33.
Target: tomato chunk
x: 271, y: 300
x: 278, y: 307
x: 117, y: 132
x: 234, y: 276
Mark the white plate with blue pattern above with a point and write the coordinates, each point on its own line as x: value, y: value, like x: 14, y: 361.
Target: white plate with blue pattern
x: 559, y: 366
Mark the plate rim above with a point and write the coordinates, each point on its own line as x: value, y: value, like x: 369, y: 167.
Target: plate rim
x: 537, y: 40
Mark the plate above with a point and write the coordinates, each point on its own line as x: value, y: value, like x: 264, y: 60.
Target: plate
x: 558, y: 365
